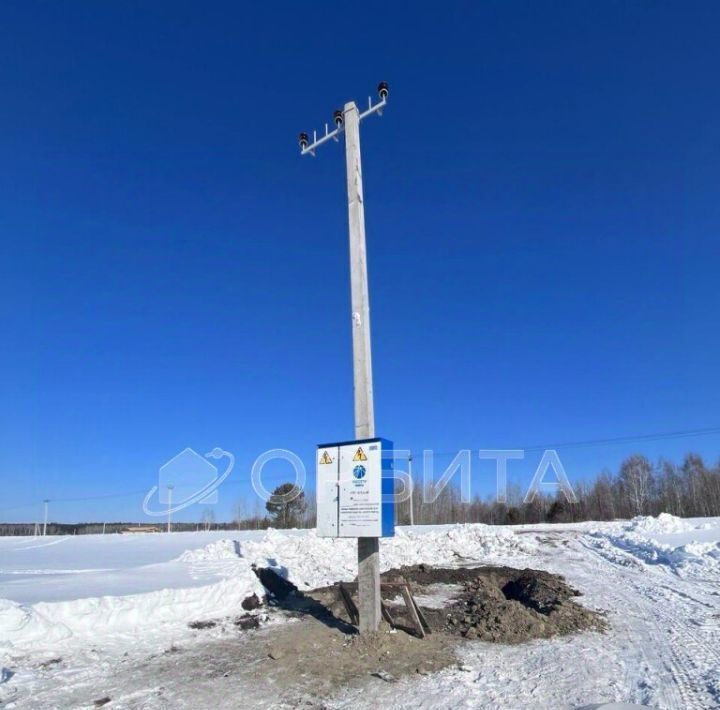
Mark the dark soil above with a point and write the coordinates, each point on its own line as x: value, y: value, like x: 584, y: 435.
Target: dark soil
x: 251, y: 602
x: 489, y: 603
x: 496, y: 604
x: 197, y: 625
x: 247, y: 622
x: 504, y: 605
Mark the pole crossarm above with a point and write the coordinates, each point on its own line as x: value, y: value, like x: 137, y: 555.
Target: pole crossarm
x: 307, y: 147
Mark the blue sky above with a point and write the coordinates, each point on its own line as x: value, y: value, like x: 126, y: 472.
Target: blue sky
x: 542, y: 223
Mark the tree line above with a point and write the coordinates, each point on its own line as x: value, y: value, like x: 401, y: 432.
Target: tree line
x: 107, y: 528
x: 639, y: 487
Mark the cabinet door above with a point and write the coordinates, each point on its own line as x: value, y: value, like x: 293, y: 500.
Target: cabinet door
x: 327, y: 492
x: 360, y: 495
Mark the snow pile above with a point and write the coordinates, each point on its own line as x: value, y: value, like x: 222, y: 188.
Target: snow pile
x: 21, y: 625
x: 310, y: 561
x: 663, y: 524
x: 219, y: 550
x: 681, y: 544
x: 44, y: 624
x: 693, y: 556
x: 456, y: 544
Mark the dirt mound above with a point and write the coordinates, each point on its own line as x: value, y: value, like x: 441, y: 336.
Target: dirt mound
x: 542, y: 593
x: 491, y: 603
x: 501, y: 604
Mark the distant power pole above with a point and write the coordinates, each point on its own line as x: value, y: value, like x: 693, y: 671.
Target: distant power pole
x: 411, y: 483
x: 45, y: 502
x: 169, y: 513
x: 348, y: 121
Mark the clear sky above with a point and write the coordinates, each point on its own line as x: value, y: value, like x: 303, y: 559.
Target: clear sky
x: 542, y: 217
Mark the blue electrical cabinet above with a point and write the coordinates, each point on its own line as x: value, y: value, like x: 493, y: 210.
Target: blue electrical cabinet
x: 355, y: 489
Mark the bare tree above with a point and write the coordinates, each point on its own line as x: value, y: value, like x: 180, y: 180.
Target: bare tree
x: 636, y: 481
x: 208, y: 518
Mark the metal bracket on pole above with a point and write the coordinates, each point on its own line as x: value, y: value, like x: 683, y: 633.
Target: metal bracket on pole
x: 307, y: 147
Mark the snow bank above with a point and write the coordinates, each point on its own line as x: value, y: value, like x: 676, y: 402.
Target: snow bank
x: 683, y: 545
x: 663, y: 524
x: 302, y: 557
x: 691, y: 557
x: 310, y: 561
x: 220, y: 550
x: 45, y: 624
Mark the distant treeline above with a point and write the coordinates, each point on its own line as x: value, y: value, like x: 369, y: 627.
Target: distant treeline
x: 97, y: 528
x: 690, y: 489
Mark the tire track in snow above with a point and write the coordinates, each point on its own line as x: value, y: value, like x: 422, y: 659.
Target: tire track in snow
x: 642, y: 641
x: 704, y: 655
x: 689, y: 658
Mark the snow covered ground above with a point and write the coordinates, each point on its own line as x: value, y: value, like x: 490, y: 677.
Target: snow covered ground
x: 93, y: 599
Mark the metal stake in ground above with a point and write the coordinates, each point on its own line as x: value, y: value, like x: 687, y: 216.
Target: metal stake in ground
x: 348, y: 121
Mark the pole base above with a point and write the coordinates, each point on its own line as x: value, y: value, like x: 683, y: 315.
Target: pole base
x: 369, y: 600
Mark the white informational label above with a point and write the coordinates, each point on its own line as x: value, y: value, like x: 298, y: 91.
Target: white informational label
x: 360, y: 490
x: 349, y: 491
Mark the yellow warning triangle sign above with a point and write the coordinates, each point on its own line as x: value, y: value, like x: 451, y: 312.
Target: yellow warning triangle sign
x: 360, y: 455
x: 325, y: 458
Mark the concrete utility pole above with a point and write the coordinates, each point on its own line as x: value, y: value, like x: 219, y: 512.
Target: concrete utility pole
x: 362, y: 355
x: 348, y: 121
x: 45, y: 502
x: 368, y: 547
